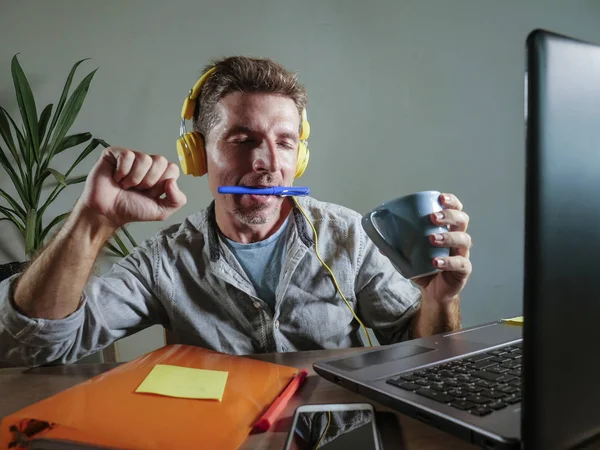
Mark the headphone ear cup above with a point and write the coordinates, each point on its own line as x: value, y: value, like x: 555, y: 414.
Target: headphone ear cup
x: 192, y: 157
x: 186, y: 160
x: 303, y: 157
x: 196, y: 145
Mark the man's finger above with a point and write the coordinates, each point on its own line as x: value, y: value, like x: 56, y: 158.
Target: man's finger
x: 171, y: 172
x: 138, y: 171
x: 455, y: 219
x: 124, y: 160
x: 155, y: 173
x: 458, y: 264
x: 452, y: 239
x: 174, y: 197
x: 451, y: 201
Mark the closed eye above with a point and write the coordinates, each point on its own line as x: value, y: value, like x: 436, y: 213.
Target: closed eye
x: 287, y: 145
x: 246, y: 141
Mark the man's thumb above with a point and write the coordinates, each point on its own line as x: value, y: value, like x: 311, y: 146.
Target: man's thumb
x: 174, y: 197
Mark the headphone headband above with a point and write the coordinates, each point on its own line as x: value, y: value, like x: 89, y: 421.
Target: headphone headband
x: 189, y: 104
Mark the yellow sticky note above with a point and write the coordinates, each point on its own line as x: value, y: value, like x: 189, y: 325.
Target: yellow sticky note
x: 184, y: 382
x: 514, y: 320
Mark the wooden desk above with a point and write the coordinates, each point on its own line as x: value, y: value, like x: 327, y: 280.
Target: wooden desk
x: 21, y: 387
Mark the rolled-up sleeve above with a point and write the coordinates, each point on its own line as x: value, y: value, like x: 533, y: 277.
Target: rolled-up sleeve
x: 114, y: 305
x: 386, y: 300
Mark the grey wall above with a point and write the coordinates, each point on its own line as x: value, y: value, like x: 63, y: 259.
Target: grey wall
x: 403, y: 96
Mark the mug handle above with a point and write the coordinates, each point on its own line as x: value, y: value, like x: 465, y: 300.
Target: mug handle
x: 388, y: 249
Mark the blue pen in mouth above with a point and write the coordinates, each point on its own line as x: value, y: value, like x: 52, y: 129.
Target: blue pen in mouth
x: 270, y: 190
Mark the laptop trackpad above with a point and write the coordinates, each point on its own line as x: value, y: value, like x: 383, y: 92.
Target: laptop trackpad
x: 377, y: 357
x: 493, y: 334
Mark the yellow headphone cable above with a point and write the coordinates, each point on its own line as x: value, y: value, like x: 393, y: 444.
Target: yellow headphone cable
x: 330, y: 271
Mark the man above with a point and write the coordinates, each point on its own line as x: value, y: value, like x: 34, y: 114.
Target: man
x: 241, y: 276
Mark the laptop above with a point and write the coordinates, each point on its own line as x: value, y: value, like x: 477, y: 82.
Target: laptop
x: 535, y: 386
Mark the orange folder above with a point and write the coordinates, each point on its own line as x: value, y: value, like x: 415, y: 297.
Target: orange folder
x: 106, y: 410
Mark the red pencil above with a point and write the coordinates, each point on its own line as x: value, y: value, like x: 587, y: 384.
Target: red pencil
x: 271, y: 414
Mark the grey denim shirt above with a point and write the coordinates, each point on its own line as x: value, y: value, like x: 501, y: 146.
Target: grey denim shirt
x: 186, y: 279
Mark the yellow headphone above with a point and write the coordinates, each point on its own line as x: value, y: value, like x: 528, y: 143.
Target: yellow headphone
x: 190, y: 145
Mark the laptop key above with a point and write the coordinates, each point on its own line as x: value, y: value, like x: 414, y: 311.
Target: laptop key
x: 492, y: 394
x: 410, y: 377
x: 479, y: 357
x: 516, y: 398
x: 435, y: 377
x: 478, y: 399
x: 515, y: 382
x: 474, y: 389
x: 508, y: 389
x: 446, y: 374
x: 505, y: 378
x: 497, y: 369
x: 440, y: 387
x: 408, y: 386
x: 423, y: 382
x: 498, y: 404
x: 434, y: 395
x: 462, y: 404
x: 488, y: 376
x: 484, y: 384
x: 483, y: 364
x: 457, y: 393
x: 481, y: 411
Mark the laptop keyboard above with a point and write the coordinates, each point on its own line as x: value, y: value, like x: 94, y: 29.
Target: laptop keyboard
x: 479, y: 384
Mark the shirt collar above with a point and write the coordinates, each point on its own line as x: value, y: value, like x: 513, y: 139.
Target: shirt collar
x: 214, y: 250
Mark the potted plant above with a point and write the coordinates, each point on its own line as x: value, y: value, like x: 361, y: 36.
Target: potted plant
x: 26, y: 156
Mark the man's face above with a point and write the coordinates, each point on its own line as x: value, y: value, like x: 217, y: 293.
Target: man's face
x: 254, y: 144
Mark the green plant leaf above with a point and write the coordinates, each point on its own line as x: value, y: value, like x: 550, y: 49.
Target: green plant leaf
x: 30, y: 231
x: 57, y: 190
x: 73, y: 141
x: 51, y: 225
x: 60, y: 178
x: 114, y: 250
x: 19, y: 186
x: 26, y: 104
x: 7, y: 135
x: 22, y: 143
x: 129, y: 236
x: 63, y: 99
x: 121, y: 244
x: 15, y: 205
x: 8, y: 139
x: 86, y: 151
x: 13, y: 219
x: 40, y: 180
x: 44, y: 118
x: 77, y: 180
x: 67, y: 117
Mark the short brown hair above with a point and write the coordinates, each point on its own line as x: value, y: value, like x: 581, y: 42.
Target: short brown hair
x: 243, y: 74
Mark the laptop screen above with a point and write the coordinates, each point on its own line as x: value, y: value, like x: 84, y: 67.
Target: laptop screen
x: 561, y: 401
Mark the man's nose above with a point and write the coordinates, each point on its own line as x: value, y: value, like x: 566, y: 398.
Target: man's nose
x: 266, y: 158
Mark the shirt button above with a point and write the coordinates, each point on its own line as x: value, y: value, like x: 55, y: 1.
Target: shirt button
x: 277, y: 324
x: 257, y: 305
